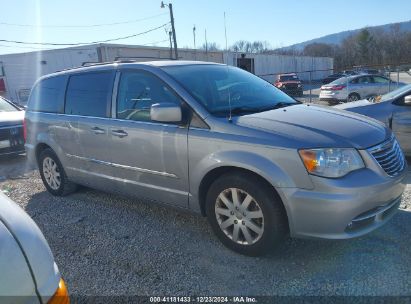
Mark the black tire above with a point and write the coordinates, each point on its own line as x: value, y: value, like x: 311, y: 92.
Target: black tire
x: 353, y: 97
x: 274, y: 218
x: 65, y: 187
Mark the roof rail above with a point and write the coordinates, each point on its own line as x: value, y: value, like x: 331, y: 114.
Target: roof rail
x: 90, y: 63
x: 87, y: 64
x: 116, y: 60
x: 137, y: 58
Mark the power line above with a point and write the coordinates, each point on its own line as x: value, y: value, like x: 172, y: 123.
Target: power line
x: 82, y: 43
x: 83, y: 26
x: 152, y: 43
x: 22, y: 47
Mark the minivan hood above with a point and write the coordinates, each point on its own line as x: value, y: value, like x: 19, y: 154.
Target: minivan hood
x: 308, y: 126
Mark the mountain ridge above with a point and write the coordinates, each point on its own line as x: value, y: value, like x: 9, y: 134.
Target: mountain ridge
x: 337, y: 38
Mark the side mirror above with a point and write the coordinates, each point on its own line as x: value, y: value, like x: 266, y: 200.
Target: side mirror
x: 165, y: 112
x: 407, y: 100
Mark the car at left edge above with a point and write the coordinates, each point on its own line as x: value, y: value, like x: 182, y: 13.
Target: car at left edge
x: 28, y: 273
x: 11, y: 128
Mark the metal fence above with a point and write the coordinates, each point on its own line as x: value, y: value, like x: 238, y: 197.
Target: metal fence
x: 311, y: 84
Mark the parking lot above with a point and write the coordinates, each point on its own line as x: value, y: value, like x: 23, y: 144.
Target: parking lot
x: 110, y: 245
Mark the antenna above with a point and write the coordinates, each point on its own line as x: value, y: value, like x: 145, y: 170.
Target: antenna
x: 226, y: 54
x: 225, y: 33
x: 194, y: 36
x: 206, y: 46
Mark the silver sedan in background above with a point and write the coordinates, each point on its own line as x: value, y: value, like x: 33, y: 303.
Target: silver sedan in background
x: 353, y: 88
x: 394, y: 109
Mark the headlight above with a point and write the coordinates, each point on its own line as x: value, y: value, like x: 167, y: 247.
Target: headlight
x: 331, y: 162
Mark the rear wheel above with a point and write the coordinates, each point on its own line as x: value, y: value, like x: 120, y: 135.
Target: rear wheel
x: 53, y: 175
x: 353, y: 97
x: 246, y: 216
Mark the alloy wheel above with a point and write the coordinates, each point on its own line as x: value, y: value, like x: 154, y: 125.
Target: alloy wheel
x: 51, y: 173
x: 239, y: 216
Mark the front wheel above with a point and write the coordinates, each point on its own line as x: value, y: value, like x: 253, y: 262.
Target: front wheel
x: 247, y: 216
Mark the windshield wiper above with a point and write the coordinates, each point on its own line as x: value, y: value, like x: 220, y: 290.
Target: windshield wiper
x: 278, y: 105
x: 237, y: 111
x: 284, y: 104
x: 249, y: 110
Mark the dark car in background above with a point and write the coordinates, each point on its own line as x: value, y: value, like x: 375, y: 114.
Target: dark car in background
x: 289, y: 84
x: 332, y: 77
x: 11, y: 128
x: 369, y: 71
x: 349, y: 72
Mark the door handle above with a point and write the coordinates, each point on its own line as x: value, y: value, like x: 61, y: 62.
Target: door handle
x: 98, y: 130
x: 119, y: 133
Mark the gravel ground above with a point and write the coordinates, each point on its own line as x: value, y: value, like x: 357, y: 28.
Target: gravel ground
x: 109, y: 245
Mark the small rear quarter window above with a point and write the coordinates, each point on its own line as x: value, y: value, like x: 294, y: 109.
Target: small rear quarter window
x: 47, y: 95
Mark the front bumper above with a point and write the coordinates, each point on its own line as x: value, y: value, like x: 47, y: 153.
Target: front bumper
x: 11, y: 140
x: 343, y: 208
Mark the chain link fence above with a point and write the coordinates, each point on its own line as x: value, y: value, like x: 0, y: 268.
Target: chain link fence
x: 305, y: 86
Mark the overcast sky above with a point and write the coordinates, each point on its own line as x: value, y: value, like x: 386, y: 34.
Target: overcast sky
x: 281, y: 23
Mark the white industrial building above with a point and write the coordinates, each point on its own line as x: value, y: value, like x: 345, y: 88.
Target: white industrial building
x: 18, y: 72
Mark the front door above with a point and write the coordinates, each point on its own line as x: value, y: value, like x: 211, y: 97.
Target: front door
x: 149, y: 158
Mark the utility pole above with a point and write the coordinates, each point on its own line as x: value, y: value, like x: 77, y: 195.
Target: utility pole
x: 170, y: 7
x: 171, y: 45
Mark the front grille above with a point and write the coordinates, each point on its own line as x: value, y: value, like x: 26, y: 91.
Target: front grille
x: 375, y: 215
x: 389, y: 156
x: 13, y: 137
x: 291, y: 86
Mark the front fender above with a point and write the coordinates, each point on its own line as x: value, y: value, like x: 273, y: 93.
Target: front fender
x: 245, y: 160
x: 256, y: 163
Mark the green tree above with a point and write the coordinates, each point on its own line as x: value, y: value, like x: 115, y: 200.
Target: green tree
x: 365, y: 41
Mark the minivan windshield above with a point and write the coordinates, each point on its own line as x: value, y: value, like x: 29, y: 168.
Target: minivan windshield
x: 217, y: 87
x: 6, y: 107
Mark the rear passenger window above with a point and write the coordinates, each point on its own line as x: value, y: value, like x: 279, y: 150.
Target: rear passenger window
x: 48, y: 95
x: 89, y: 94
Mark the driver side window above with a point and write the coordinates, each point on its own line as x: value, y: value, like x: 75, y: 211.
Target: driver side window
x: 138, y: 91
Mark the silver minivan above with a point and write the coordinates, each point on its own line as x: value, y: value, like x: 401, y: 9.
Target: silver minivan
x: 219, y: 141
